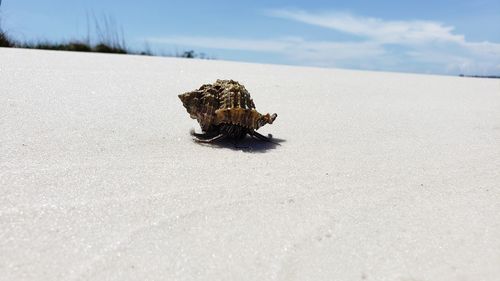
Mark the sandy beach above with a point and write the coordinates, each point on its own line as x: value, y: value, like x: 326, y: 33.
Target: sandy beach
x: 379, y: 176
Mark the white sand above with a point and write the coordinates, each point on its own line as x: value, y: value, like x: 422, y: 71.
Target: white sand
x: 382, y: 176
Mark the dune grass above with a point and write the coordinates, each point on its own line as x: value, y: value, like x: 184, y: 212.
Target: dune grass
x: 75, y: 46
x: 5, y: 40
x: 103, y: 36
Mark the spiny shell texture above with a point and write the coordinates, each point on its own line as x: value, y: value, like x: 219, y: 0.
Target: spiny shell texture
x: 225, y: 101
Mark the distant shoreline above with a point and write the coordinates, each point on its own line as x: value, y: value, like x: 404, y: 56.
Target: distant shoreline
x: 480, y: 76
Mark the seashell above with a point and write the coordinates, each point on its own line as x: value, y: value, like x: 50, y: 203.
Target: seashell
x: 225, y: 109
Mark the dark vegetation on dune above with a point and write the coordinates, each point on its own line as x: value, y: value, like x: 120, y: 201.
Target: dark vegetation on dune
x: 5, y: 40
x: 481, y: 76
x: 103, y: 37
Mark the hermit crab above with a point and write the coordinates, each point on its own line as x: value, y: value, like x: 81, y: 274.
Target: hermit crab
x: 225, y: 109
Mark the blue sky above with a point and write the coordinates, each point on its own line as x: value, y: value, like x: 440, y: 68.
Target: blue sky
x: 442, y: 37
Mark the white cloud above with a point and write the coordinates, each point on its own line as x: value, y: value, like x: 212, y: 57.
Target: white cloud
x: 424, y: 46
x: 295, y: 48
x: 426, y: 37
x: 403, y: 32
x: 319, y: 53
x: 225, y: 43
x: 486, y: 49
